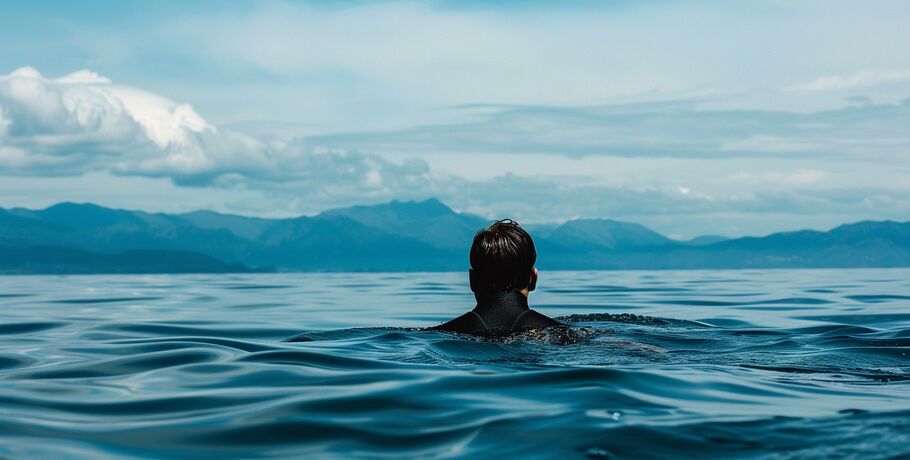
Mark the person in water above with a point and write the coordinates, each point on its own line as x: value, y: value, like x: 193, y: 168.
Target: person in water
x: 502, y: 276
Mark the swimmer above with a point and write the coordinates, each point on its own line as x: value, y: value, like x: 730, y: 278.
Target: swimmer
x: 502, y: 276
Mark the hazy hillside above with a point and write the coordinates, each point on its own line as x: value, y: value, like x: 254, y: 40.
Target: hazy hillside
x: 602, y: 234
x: 62, y: 260
x: 397, y: 236
x: 429, y: 222
x: 335, y: 243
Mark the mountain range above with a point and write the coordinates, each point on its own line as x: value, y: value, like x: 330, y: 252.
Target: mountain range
x: 397, y: 236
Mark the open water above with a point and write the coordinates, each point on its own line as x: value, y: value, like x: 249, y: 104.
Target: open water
x: 710, y: 364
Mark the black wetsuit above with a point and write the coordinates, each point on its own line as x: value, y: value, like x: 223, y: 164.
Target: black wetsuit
x: 499, y: 313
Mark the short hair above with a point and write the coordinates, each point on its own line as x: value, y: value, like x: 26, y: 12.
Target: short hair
x: 502, y: 257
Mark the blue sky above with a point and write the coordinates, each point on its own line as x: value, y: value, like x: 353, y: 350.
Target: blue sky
x: 691, y: 117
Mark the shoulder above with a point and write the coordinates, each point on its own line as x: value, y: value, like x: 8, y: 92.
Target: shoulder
x: 465, y: 324
x: 536, y: 320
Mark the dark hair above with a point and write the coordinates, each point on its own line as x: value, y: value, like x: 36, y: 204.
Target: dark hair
x: 502, y: 257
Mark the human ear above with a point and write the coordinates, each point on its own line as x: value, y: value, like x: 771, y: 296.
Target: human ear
x: 473, y: 279
x: 533, y: 284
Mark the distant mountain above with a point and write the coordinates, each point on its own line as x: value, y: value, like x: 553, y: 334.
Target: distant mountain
x: 864, y: 244
x: 602, y: 234
x: 63, y: 260
x: 396, y: 236
x: 109, y: 231
x: 705, y: 240
x: 339, y: 243
x: 243, y: 227
x: 429, y: 222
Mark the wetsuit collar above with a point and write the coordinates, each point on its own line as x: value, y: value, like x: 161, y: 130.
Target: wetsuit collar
x: 503, y: 303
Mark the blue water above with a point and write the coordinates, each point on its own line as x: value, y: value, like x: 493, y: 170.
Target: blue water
x: 711, y: 364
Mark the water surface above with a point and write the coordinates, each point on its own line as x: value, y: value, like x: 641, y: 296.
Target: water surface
x: 775, y: 364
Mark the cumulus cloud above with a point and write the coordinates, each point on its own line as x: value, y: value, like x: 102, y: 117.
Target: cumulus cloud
x: 83, y: 122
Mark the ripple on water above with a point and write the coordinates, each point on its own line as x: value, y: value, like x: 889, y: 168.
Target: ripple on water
x: 149, y: 361
x: 29, y: 327
x: 774, y: 364
x: 103, y: 300
x: 10, y: 361
x: 878, y: 298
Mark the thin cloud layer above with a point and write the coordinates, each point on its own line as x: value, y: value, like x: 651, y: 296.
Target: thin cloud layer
x: 677, y: 129
x: 858, y: 80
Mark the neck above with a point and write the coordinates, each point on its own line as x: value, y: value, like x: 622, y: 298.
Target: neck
x: 502, y: 301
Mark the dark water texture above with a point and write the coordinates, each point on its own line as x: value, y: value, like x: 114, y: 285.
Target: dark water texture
x: 709, y: 364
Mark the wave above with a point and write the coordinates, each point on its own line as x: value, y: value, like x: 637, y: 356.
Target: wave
x: 194, y: 369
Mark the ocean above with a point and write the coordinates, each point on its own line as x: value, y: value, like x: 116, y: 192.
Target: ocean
x: 710, y: 364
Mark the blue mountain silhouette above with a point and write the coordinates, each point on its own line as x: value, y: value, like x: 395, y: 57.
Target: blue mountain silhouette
x: 396, y: 236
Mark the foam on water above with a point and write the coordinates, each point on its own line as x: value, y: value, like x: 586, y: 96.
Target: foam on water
x: 776, y: 364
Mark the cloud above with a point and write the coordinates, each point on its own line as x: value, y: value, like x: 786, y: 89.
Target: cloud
x: 680, y: 129
x: 855, y: 81
x: 675, y: 165
x: 83, y: 122
x: 734, y: 211
x: 389, y: 65
x: 525, y: 53
x: 801, y: 177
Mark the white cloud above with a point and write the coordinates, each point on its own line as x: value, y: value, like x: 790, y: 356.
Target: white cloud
x: 657, y: 129
x: 854, y: 81
x: 619, y: 161
x: 83, y: 122
x: 348, y: 63
x: 4, y: 122
x: 770, y: 144
x: 12, y: 156
x: 75, y: 121
x: 801, y: 177
x: 79, y: 76
x: 165, y: 122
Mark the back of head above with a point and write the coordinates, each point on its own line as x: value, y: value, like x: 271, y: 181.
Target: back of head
x: 502, y: 257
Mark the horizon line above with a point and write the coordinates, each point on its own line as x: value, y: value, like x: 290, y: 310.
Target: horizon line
x: 431, y: 199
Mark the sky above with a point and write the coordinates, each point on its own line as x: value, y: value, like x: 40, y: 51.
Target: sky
x: 691, y: 117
